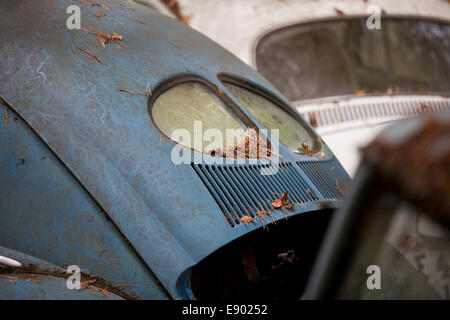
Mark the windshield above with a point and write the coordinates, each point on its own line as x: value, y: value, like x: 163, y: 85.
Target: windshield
x: 330, y: 58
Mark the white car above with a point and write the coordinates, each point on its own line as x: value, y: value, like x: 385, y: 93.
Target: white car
x: 348, y: 80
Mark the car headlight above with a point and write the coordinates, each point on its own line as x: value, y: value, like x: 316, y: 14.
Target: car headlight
x: 293, y: 134
x: 179, y: 106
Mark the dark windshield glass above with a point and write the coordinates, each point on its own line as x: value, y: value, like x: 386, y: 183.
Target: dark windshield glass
x: 342, y: 57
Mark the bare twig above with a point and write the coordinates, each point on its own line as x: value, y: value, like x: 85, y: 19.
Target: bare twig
x: 133, y: 93
x: 92, y: 55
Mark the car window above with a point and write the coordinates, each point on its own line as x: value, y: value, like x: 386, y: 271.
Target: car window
x: 292, y: 133
x: 330, y: 58
x: 181, y: 105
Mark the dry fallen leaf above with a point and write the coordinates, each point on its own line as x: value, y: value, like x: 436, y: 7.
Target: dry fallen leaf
x: 186, y: 19
x: 134, y: 93
x: 313, y: 119
x: 249, y: 146
x: 247, y: 219
x: 92, y: 55
x: 85, y: 284
x: 277, y: 203
x: 305, y: 146
x: 283, y: 203
x: 93, y: 4
x: 6, y: 114
x: 338, y: 12
x: 105, y: 292
x: 283, y: 200
x: 341, y: 191
x: 104, y: 37
x: 361, y: 93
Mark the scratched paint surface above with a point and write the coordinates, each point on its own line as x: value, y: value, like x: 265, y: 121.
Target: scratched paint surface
x: 46, y: 213
x: 105, y: 137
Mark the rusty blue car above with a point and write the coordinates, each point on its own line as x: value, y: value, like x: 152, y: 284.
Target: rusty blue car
x: 88, y: 177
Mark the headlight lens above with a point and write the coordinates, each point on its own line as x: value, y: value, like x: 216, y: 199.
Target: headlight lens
x: 292, y: 133
x: 181, y: 105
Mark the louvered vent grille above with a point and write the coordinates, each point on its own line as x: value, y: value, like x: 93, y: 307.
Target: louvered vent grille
x: 329, y: 177
x: 241, y: 190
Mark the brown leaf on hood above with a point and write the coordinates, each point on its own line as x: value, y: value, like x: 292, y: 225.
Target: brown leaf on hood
x: 85, y: 284
x: 247, y: 219
x: 104, y: 37
x: 93, y: 4
x: 6, y: 115
x: 281, y: 202
x: 92, y: 55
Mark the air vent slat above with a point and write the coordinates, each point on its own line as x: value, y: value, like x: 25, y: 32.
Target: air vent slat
x: 298, y: 190
x: 228, y: 190
x: 274, y: 184
x: 302, y: 186
x: 222, y: 202
x: 216, y: 196
x: 261, y: 183
x: 298, y: 198
x: 314, y: 176
x: 266, y: 182
x: 261, y: 203
x: 241, y: 191
x: 330, y: 177
x: 225, y: 195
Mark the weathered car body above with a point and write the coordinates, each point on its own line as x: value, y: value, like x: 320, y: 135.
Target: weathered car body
x: 87, y: 177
